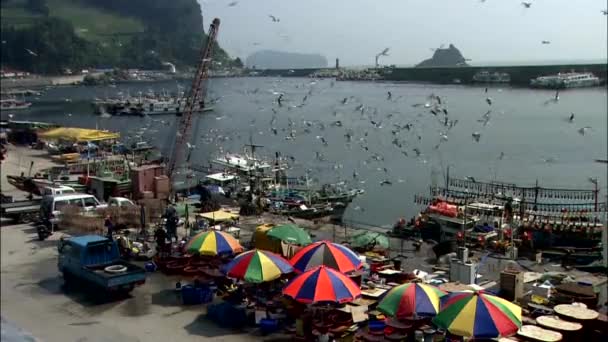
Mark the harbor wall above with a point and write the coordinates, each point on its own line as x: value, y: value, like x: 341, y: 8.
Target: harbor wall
x: 520, y: 75
x: 42, y: 81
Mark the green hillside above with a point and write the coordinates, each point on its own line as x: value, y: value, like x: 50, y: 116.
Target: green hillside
x: 90, y: 23
x: 87, y: 33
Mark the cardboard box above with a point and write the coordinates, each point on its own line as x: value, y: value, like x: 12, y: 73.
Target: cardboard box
x: 161, y: 184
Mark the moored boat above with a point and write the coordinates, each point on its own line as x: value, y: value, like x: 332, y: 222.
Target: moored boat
x: 13, y: 104
x: 566, y: 80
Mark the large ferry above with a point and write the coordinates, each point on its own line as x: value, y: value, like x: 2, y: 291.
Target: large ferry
x: 566, y: 80
x: 13, y: 104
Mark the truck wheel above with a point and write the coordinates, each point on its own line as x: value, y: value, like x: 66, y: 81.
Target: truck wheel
x: 68, y: 280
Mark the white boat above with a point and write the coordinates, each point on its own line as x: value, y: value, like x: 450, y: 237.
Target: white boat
x: 241, y: 163
x: 491, y: 77
x: 566, y: 80
x: 13, y: 104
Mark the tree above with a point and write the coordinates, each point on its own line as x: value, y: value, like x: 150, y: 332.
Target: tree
x: 237, y: 63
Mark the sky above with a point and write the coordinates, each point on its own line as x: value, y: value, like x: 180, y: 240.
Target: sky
x: 355, y: 31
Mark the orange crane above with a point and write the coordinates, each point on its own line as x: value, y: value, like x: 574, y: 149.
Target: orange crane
x: 196, y: 96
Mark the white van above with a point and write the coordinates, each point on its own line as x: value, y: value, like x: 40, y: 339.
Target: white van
x: 57, y: 190
x: 50, y: 208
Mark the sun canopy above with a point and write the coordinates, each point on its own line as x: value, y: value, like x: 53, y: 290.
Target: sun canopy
x: 219, y: 216
x: 78, y: 134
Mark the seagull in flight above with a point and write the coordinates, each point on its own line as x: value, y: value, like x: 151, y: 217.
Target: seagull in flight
x: 583, y: 130
x: 232, y: 4
x: 274, y: 19
x: 526, y: 4
x: 545, y: 42
x: 605, y: 12
x: 31, y: 52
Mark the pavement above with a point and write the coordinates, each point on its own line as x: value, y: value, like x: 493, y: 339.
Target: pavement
x: 33, y: 299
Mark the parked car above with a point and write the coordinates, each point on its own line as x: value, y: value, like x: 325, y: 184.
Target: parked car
x: 120, y: 202
x: 50, y: 207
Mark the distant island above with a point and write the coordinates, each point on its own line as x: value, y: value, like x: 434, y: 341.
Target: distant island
x: 270, y: 59
x: 450, y: 57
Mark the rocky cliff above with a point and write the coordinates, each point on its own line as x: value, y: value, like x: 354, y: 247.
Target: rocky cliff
x: 449, y: 57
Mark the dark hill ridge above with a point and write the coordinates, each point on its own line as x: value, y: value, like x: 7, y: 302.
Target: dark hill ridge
x: 269, y: 59
x: 449, y: 57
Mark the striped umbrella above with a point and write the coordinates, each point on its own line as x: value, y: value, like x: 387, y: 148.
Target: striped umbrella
x: 326, y: 253
x: 213, y: 243
x: 412, y: 300
x: 257, y: 266
x: 321, y: 285
x: 479, y: 315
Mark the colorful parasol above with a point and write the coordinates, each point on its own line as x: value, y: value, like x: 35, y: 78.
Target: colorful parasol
x: 213, y: 243
x: 290, y: 233
x: 412, y: 300
x: 479, y: 315
x: 326, y: 253
x: 322, y: 284
x: 257, y: 266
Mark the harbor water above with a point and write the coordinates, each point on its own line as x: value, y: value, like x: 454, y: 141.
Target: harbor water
x: 527, y: 138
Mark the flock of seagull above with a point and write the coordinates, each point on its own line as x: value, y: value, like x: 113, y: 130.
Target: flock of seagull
x: 407, y: 122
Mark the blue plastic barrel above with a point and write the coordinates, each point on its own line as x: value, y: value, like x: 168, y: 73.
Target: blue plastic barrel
x: 150, y: 267
x: 190, y: 295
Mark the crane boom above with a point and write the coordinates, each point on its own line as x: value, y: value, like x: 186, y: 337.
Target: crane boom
x: 196, y: 95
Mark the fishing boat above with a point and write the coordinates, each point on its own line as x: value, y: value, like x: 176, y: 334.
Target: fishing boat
x: 530, y: 215
x: 332, y: 211
x: 242, y: 163
x: 13, y: 104
x: 328, y: 193
x: 146, y: 104
x: 36, y: 184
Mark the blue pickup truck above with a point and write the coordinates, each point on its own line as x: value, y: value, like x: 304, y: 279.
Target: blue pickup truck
x: 95, y: 260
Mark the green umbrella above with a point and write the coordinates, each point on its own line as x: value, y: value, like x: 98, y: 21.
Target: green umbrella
x: 370, y: 239
x: 290, y: 233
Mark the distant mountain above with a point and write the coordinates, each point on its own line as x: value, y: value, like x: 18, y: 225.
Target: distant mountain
x: 449, y: 57
x: 269, y: 59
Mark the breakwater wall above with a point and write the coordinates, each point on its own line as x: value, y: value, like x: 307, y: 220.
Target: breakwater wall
x: 520, y: 75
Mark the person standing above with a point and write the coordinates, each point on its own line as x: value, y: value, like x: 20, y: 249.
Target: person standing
x: 109, y: 226
x: 160, y: 235
x: 171, y: 223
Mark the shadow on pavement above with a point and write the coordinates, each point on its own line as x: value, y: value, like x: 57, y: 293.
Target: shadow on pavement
x: 201, y: 326
x: 88, y: 297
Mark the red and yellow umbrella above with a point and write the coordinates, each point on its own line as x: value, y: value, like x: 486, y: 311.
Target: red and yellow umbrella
x: 479, y: 315
x: 213, y: 243
x: 326, y: 253
x: 322, y: 284
x: 257, y: 266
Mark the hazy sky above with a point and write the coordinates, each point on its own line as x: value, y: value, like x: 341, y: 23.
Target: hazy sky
x: 355, y: 30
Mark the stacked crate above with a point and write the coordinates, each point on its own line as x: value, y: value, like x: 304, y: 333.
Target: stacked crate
x: 512, y: 284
